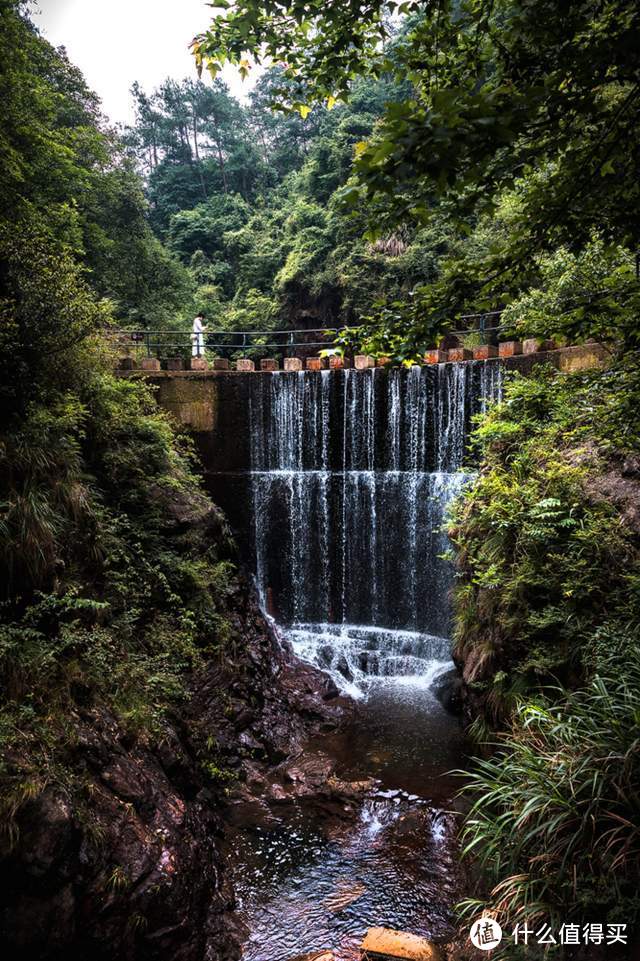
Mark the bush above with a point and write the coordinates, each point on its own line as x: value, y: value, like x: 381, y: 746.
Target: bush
x: 555, y: 821
x: 116, y: 572
x: 543, y: 558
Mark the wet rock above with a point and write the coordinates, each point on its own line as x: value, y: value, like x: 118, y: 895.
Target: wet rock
x: 342, y: 666
x: 244, y: 717
x: 52, y: 833
x: 448, y: 688
x: 325, y: 655
x: 368, y: 662
x: 135, y: 869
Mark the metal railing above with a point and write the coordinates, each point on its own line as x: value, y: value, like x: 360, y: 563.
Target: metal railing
x: 174, y: 343
x: 484, y: 324
x: 163, y: 343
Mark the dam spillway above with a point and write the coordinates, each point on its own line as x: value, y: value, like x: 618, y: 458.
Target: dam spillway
x: 350, y: 477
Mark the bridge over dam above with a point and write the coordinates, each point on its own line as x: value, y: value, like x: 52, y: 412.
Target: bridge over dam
x: 337, y: 481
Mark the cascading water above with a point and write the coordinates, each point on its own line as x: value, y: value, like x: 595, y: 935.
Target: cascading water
x: 352, y: 474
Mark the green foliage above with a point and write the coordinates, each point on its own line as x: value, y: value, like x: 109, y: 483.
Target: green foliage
x: 108, y: 603
x: 548, y: 590
x: 46, y: 312
x: 591, y: 293
x: 532, y: 105
x: 555, y: 820
x: 543, y: 559
x: 66, y: 178
x: 285, y: 237
x: 116, y: 570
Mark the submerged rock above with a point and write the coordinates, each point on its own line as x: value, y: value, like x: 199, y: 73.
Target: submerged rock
x: 316, y: 956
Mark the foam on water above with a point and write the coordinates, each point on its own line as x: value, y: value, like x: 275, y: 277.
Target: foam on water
x: 360, y: 656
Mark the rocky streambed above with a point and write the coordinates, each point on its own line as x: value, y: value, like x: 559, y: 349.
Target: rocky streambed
x: 272, y: 815
x: 358, y: 829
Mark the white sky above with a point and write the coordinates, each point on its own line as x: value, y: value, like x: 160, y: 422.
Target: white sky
x: 119, y: 41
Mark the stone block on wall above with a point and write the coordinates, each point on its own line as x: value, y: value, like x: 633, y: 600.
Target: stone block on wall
x: 336, y: 362
x: 175, y: 363
x: 484, y: 352
x: 510, y: 348
x: 245, y: 364
x: 220, y: 363
x: 364, y: 361
x: 150, y: 363
x: 293, y: 363
x: 315, y: 363
x: 435, y: 356
x: 198, y: 363
x: 269, y: 363
x: 533, y: 345
x: 457, y: 354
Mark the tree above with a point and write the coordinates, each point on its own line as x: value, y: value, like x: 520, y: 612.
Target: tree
x: 544, y: 97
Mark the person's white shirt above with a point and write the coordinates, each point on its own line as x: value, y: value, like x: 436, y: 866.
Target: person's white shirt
x: 197, y: 337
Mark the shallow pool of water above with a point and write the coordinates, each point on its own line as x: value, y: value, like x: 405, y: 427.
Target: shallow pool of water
x: 306, y: 879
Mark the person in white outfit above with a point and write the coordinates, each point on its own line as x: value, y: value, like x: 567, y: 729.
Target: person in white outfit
x: 197, y: 336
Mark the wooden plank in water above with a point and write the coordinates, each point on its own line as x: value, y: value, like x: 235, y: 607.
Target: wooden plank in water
x: 384, y: 944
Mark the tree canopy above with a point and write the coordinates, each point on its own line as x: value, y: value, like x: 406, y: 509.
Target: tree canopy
x: 537, y: 102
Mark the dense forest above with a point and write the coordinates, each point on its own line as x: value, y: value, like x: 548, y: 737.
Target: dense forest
x: 248, y: 201
x: 395, y: 167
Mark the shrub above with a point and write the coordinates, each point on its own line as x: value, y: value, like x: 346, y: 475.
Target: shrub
x: 555, y: 821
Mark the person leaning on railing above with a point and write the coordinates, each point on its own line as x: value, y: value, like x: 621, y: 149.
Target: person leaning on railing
x: 197, y: 335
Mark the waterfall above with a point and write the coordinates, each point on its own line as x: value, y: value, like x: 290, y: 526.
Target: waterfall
x: 352, y: 474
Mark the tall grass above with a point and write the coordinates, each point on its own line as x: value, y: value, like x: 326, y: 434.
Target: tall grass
x: 555, y: 820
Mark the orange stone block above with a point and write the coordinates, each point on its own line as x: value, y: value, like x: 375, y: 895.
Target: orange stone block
x: 315, y: 363
x: 245, y: 364
x: 533, y: 345
x: 364, y: 361
x: 435, y: 357
x: 220, y: 363
x: 510, y: 348
x: 336, y: 362
x: 484, y: 352
x: 293, y: 363
x: 269, y: 363
x: 198, y: 363
x: 457, y: 354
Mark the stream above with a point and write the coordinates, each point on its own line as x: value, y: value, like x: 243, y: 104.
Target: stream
x: 350, y: 482
x: 306, y: 879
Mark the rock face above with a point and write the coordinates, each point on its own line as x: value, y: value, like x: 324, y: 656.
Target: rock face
x: 133, y: 870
